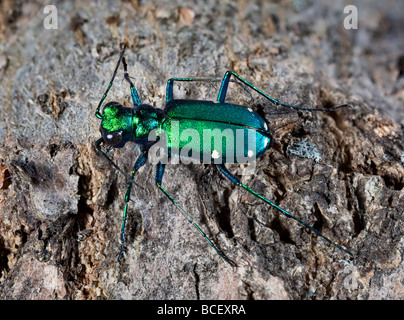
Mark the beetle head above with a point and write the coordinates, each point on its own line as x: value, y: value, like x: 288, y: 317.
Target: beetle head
x: 116, y: 125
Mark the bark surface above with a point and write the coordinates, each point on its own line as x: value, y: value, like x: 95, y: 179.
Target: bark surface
x: 61, y: 203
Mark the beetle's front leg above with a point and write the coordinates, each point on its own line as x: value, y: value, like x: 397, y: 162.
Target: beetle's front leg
x: 134, y: 94
x: 141, y: 160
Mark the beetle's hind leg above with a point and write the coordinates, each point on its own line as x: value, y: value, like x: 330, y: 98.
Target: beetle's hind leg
x: 237, y: 182
x: 225, y: 84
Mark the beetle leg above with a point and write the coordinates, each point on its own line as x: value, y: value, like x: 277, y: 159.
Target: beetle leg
x: 225, y: 83
x: 141, y: 160
x: 97, y: 113
x: 237, y: 182
x: 159, y: 178
x: 135, y: 96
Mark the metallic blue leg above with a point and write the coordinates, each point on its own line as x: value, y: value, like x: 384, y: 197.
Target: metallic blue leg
x: 237, y: 182
x: 97, y: 145
x: 135, y: 96
x: 141, y: 160
x: 225, y: 83
x: 159, y: 178
x: 97, y: 112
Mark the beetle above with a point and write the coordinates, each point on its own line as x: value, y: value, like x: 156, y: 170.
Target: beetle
x: 121, y: 125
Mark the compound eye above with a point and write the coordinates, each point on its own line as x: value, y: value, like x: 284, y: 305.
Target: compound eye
x: 113, y: 138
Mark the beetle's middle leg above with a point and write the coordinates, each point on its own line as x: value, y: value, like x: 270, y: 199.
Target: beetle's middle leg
x: 159, y: 178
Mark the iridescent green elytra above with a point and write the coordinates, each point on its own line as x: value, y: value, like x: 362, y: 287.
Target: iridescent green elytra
x: 210, y: 131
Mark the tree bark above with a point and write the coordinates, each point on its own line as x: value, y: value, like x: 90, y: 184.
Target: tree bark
x: 61, y: 203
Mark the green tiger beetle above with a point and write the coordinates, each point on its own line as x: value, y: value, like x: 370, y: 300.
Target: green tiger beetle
x: 121, y: 124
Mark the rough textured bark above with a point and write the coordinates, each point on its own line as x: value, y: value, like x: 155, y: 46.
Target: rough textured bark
x: 61, y: 204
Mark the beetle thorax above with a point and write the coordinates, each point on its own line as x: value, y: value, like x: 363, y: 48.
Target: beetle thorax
x: 145, y: 120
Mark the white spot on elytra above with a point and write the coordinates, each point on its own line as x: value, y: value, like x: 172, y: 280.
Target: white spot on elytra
x: 215, y: 154
x: 249, y: 109
x: 250, y: 153
x: 265, y: 126
x: 266, y: 141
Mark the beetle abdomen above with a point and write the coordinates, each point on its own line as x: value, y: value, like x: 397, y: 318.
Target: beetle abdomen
x: 215, y: 132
